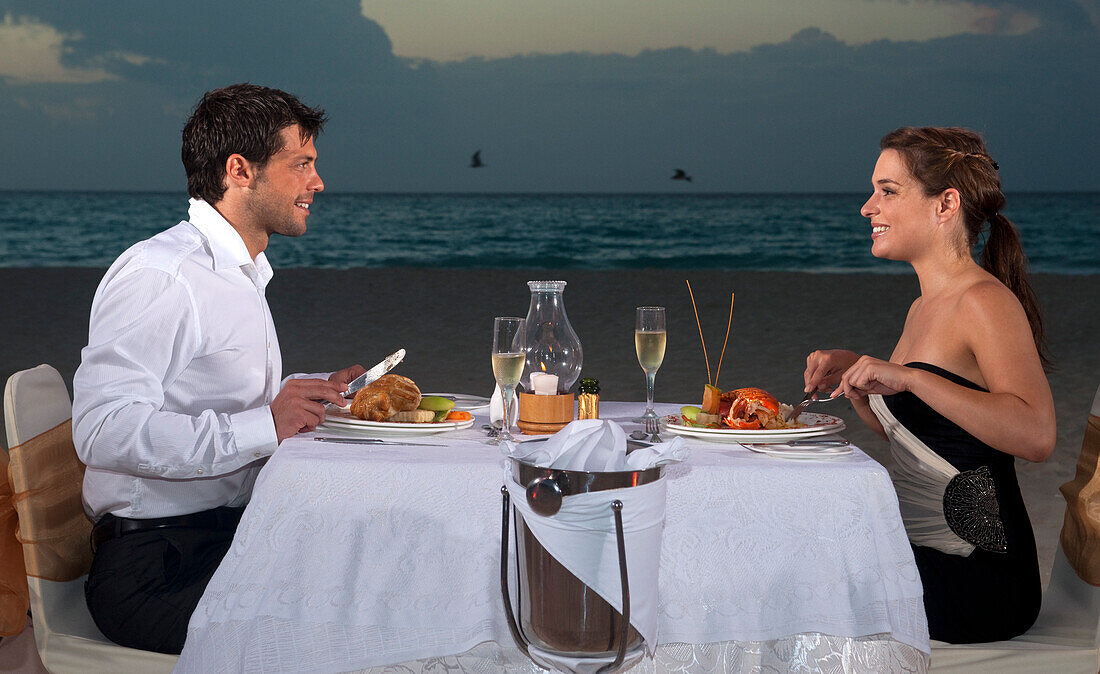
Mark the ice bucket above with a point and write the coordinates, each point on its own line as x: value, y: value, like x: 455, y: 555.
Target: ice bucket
x: 558, y: 613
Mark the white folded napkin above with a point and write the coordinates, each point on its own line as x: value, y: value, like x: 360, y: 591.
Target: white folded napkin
x: 496, y: 407
x: 595, y: 445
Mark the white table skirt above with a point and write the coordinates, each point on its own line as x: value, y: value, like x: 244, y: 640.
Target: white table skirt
x: 352, y: 556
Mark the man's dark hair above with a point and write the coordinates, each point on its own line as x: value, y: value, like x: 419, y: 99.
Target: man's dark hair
x: 243, y: 119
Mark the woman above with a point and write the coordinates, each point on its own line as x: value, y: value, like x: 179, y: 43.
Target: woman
x: 964, y: 391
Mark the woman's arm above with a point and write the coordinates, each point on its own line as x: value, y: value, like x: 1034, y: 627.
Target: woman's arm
x: 1016, y: 416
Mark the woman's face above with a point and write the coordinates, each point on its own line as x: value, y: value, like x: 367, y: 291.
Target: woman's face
x: 902, y: 218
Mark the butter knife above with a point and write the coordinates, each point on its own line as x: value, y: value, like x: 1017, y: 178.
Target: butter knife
x: 374, y: 441
x: 375, y: 372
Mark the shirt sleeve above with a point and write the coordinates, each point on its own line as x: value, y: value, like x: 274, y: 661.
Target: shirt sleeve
x: 144, y: 330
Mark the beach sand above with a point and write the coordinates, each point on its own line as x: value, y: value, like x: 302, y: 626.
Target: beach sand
x: 328, y: 319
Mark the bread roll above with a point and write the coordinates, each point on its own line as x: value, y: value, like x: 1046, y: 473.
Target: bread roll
x: 384, y: 397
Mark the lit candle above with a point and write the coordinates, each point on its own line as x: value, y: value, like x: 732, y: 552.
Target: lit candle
x: 544, y: 384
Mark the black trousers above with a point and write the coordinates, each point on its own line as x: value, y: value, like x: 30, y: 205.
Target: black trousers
x: 144, y: 586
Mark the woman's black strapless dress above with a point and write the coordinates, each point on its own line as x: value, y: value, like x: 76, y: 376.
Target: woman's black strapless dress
x: 995, y: 592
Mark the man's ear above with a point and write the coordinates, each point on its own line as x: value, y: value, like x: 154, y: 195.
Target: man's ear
x: 949, y: 204
x: 239, y: 171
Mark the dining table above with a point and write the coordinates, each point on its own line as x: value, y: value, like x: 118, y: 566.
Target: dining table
x: 386, y: 557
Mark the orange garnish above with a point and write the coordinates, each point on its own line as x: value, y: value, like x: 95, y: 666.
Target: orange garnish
x: 699, y: 325
x: 723, y: 354
x: 459, y: 415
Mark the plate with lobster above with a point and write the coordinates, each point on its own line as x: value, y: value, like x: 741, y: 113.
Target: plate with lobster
x: 750, y: 415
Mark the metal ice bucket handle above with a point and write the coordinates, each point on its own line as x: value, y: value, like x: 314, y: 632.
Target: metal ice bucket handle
x: 513, y: 625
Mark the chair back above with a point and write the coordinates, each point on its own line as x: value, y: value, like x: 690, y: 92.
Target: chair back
x: 46, y: 475
x: 1080, y: 536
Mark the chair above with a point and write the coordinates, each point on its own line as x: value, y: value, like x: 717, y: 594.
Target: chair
x: 37, y: 414
x: 1065, y: 638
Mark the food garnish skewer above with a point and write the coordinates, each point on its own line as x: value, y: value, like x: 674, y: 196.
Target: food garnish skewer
x: 706, y: 359
x: 723, y: 354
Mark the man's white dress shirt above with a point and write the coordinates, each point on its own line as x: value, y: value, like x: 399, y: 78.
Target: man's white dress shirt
x: 171, y: 402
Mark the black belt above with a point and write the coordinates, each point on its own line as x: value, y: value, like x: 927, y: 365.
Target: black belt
x: 110, y: 527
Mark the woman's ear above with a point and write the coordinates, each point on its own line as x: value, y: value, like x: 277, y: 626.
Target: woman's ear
x: 949, y: 204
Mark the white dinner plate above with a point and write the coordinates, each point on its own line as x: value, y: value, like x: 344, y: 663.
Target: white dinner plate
x: 465, y: 401
x: 342, y: 420
x: 801, y: 451
x: 815, y: 425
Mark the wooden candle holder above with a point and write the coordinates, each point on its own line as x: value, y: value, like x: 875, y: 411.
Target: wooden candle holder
x: 540, y: 415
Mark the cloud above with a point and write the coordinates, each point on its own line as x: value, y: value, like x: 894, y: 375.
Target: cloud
x: 803, y: 114
x: 201, y: 43
x: 1016, y: 16
x: 31, y: 51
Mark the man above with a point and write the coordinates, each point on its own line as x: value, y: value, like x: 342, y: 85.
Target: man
x: 177, y: 400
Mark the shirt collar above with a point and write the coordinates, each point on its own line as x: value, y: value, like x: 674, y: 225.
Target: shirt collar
x: 226, y: 245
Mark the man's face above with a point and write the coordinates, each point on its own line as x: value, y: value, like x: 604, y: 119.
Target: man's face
x: 284, y: 186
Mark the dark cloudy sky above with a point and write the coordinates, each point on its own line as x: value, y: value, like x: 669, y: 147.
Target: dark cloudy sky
x: 560, y: 95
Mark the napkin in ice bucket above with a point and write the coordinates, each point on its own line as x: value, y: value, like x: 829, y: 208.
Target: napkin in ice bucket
x: 581, y: 535
x: 594, y: 445
x: 496, y: 407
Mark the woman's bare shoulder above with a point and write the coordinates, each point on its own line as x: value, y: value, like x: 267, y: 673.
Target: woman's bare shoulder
x: 991, y: 299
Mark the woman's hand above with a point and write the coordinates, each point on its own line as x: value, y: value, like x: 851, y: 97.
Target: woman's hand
x: 824, y: 368
x: 870, y: 375
x: 828, y: 368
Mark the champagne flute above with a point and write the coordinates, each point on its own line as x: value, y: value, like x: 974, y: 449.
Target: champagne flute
x: 508, y: 360
x: 649, y: 342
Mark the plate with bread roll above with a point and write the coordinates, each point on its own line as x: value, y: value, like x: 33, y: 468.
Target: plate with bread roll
x: 392, y: 404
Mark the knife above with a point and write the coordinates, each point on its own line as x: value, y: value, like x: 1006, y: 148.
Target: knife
x: 375, y: 372
x: 374, y: 441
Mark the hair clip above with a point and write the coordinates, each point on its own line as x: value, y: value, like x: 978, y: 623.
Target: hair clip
x: 996, y: 166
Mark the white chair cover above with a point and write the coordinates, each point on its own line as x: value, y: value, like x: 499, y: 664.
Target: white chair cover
x: 36, y: 401
x: 920, y: 478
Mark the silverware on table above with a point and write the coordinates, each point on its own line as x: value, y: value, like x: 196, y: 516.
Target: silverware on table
x: 807, y: 400
x: 809, y: 442
x: 375, y: 372
x: 374, y: 441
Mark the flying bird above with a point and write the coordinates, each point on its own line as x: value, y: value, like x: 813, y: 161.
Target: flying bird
x: 475, y: 161
x: 680, y: 175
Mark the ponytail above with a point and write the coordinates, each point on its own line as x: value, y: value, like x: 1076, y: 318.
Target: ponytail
x: 1003, y: 257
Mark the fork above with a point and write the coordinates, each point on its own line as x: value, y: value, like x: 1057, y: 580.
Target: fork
x: 806, y: 401
x: 653, y: 426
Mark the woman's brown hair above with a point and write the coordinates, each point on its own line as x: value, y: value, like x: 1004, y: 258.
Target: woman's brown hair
x: 944, y: 157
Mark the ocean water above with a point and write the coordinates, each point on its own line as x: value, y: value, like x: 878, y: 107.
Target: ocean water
x: 810, y: 232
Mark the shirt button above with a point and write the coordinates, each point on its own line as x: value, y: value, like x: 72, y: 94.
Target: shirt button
x: 199, y: 471
x: 257, y: 455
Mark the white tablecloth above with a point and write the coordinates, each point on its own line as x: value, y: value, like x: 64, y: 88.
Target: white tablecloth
x: 354, y: 556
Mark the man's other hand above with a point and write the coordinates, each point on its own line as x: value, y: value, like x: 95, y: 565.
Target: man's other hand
x: 346, y: 376
x: 300, y: 405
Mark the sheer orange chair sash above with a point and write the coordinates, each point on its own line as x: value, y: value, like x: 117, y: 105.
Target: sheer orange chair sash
x: 47, y: 477
x: 14, y: 596
x: 1081, y: 530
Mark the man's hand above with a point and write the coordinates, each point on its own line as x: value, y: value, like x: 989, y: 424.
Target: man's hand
x: 346, y: 376
x: 300, y: 405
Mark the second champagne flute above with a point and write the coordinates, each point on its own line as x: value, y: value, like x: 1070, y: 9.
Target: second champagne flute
x: 508, y: 360
x: 649, y: 341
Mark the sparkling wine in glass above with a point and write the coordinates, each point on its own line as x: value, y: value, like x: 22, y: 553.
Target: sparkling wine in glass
x: 650, y: 337
x: 508, y: 360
